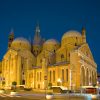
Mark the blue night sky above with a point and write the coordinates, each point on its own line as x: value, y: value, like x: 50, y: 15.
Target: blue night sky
x: 55, y: 18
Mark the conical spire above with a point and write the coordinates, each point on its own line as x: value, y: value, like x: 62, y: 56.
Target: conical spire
x: 11, y: 38
x: 37, y: 37
x: 37, y: 31
x: 83, y: 31
x: 84, y: 34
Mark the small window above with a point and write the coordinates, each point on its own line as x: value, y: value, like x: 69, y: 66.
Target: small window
x: 22, y: 67
x: 40, y: 60
x: 69, y: 54
x: 23, y: 82
x: 75, y: 44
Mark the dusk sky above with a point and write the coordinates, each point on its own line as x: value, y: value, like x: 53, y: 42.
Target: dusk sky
x: 55, y: 18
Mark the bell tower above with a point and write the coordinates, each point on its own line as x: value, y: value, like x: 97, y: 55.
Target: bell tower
x: 10, y: 38
x: 37, y: 42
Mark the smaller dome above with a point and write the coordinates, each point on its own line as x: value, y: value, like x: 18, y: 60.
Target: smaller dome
x: 21, y: 39
x: 21, y: 43
x: 51, y: 41
x: 71, y: 34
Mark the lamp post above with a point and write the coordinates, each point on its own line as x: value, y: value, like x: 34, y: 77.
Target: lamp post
x: 59, y: 81
x: 45, y: 69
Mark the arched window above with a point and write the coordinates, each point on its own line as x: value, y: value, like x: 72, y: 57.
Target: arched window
x: 69, y: 54
x: 63, y: 74
x: 22, y: 67
x: 62, y: 57
x: 40, y: 76
x: 50, y: 76
x: 66, y: 74
x: 54, y: 76
x: 23, y: 82
x: 75, y: 44
x: 37, y: 76
x: 40, y: 60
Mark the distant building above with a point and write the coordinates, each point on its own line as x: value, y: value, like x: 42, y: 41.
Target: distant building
x: 98, y: 78
x: 39, y: 63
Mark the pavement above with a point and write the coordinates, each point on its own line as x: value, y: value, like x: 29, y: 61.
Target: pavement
x: 31, y: 95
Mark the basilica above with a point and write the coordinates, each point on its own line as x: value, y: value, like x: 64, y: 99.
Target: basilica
x: 38, y: 63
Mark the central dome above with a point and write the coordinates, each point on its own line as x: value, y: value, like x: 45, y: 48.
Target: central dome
x: 21, y: 43
x: 71, y: 34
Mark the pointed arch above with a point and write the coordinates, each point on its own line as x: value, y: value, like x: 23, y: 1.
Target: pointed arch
x: 87, y: 77
x: 82, y: 76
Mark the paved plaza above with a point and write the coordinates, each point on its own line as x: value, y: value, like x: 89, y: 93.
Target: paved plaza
x: 30, y: 95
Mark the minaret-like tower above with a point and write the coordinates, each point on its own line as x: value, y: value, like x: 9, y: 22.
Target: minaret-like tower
x: 84, y: 35
x: 10, y: 38
x: 37, y: 36
x: 37, y: 42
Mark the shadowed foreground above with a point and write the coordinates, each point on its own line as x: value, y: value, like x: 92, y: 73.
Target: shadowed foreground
x: 13, y: 98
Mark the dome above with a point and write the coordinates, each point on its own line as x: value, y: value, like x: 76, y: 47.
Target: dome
x: 21, y: 39
x: 20, y: 42
x: 71, y: 34
x: 51, y: 41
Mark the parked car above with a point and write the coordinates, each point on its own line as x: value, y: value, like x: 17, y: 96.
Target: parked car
x: 59, y: 89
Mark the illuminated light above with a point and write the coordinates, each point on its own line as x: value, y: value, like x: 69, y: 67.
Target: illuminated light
x: 43, y: 83
x: 93, y: 96
x: 59, y: 80
x: 90, y: 83
x: 97, y: 82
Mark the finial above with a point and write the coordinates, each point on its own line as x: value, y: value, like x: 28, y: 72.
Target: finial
x: 84, y: 34
x: 37, y: 23
x: 37, y: 28
x: 12, y: 31
x: 83, y: 30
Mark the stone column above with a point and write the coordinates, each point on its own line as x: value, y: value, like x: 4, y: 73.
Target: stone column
x: 4, y: 70
x: 19, y: 70
x: 34, y: 76
x: 9, y: 71
x: 45, y: 72
x: 27, y: 72
x: 14, y: 69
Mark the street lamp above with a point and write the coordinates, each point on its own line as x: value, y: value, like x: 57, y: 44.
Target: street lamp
x: 59, y: 81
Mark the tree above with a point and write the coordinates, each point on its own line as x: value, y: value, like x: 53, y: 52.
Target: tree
x: 49, y: 85
x: 14, y: 83
x: 3, y: 83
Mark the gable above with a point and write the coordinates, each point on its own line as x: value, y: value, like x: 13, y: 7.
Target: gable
x: 86, y: 51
